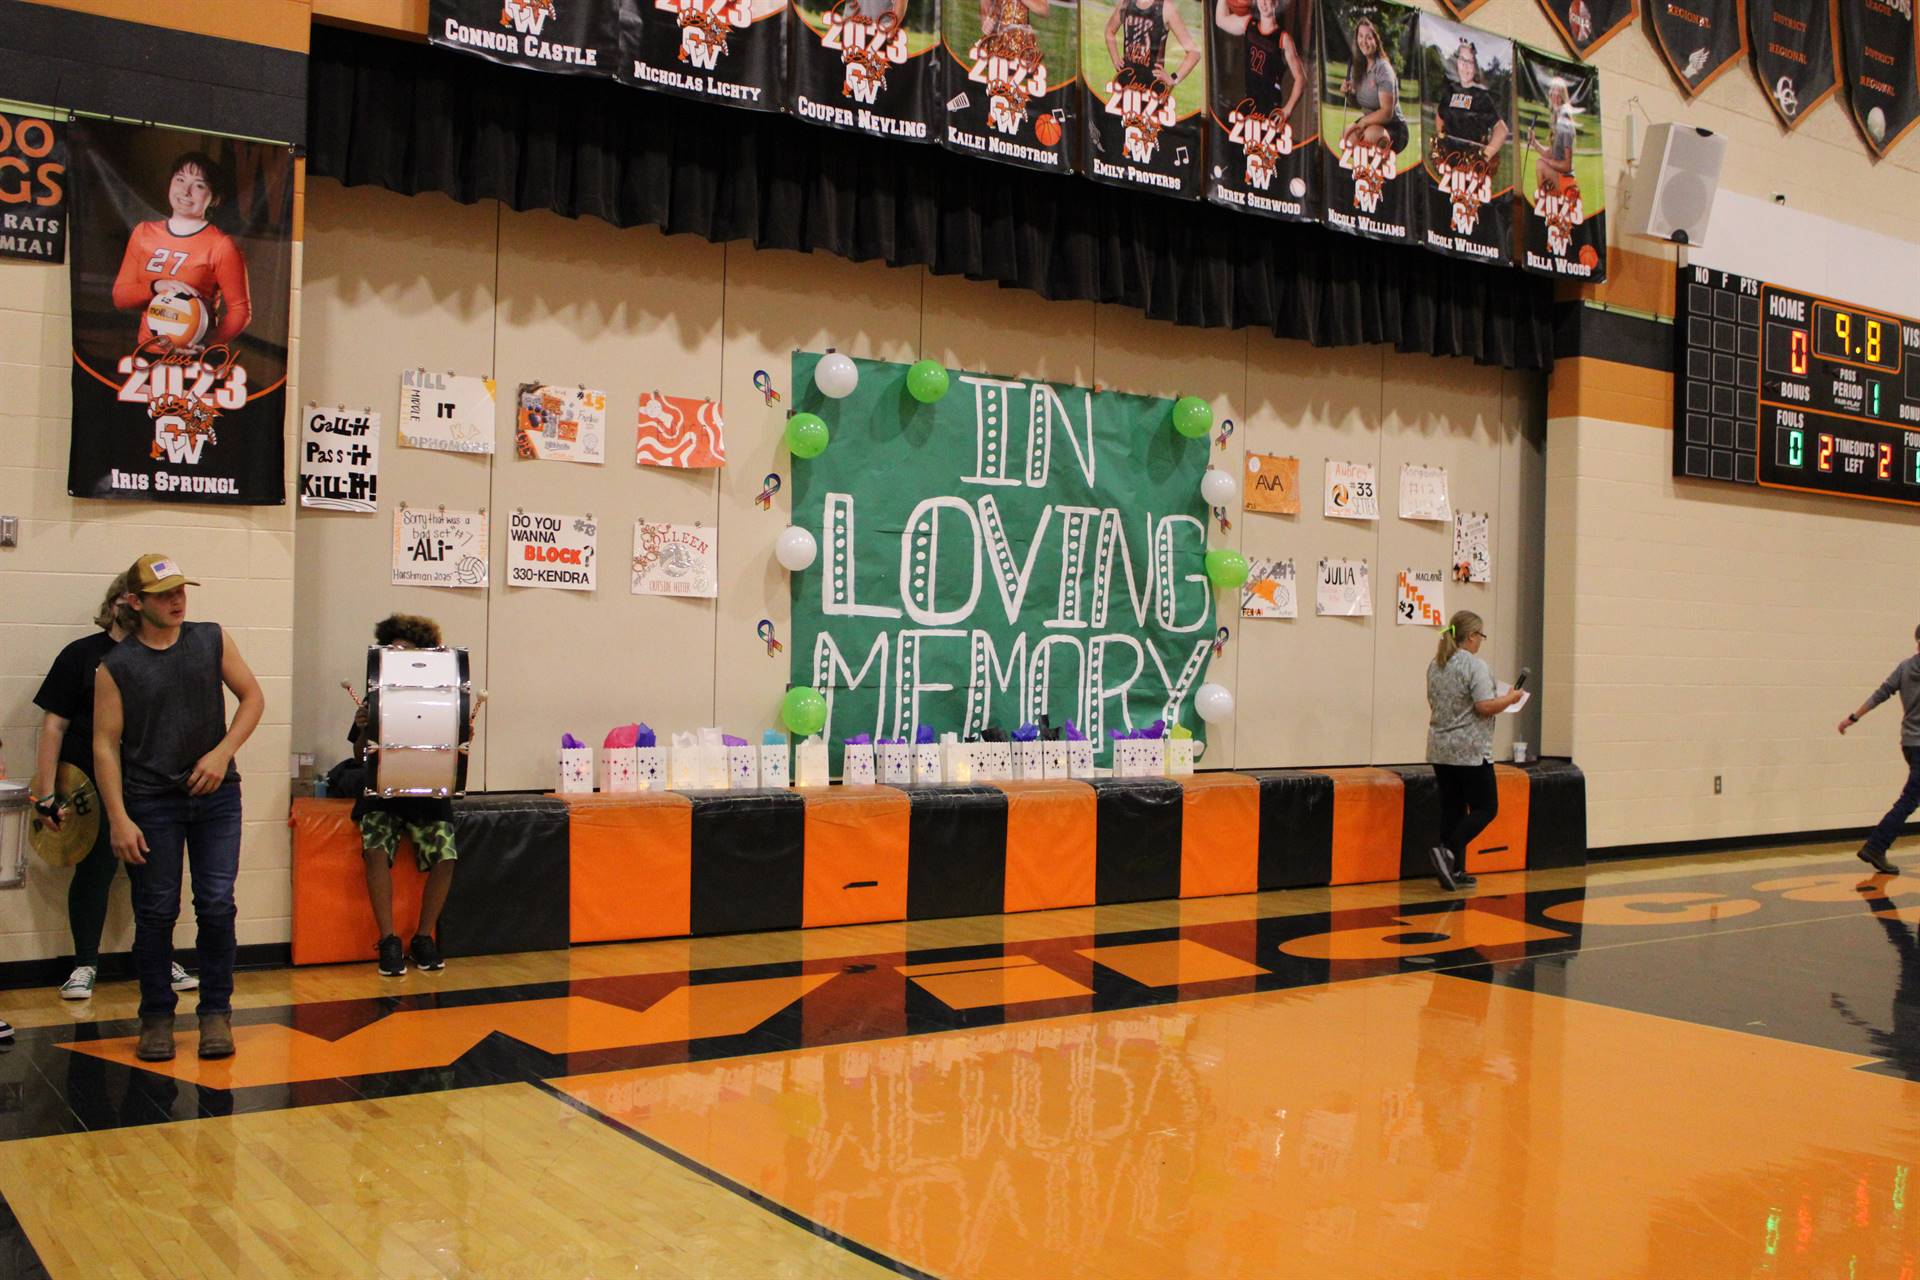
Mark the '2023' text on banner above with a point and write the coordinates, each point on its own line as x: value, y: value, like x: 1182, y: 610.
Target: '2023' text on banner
x: 1013, y: 550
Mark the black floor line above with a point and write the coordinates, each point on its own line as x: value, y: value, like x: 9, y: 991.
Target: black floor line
x: 18, y: 1257
x: 744, y: 1192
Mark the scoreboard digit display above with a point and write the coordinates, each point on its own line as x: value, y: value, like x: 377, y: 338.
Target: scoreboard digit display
x: 1785, y: 390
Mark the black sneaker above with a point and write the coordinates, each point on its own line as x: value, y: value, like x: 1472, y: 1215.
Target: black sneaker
x: 1878, y: 861
x: 426, y: 954
x: 1464, y: 880
x: 393, y: 961
x: 1443, y: 866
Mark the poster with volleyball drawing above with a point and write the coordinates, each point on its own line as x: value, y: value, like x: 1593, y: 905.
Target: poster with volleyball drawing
x: 1370, y: 131
x: 180, y: 275
x: 1466, y: 114
x: 1263, y: 121
x: 1563, y: 195
x: 1011, y: 76
x: 1146, y: 78
x: 868, y: 66
x: 1877, y: 52
x: 729, y: 51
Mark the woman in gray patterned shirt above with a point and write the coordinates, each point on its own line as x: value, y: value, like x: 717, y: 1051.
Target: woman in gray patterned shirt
x: 1462, y: 704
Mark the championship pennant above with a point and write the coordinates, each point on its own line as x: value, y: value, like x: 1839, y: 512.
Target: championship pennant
x: 1263, y: 121
x: 1146, y: 88
x: 1698, y: 39
x: 1011, y: 72
x: 571, y: 37
x: 870, y: 66
x: 1587, y: 24
x: 1563, y: 204
x: 1466, y: 115
x: 1792, y: 43
x: 1876, y: 45
x: 731, y: 51
x: 1370, y: 129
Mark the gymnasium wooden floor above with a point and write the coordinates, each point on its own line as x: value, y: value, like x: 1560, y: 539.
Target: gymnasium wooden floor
x: 1703, y: 1067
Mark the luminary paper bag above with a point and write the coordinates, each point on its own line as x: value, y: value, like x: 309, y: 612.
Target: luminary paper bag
x: 619, y: 769
x: 856, y: 764
x: 576, y: 770
x: 774, y: 765
x: 896, y: 763
x: 812, y: 763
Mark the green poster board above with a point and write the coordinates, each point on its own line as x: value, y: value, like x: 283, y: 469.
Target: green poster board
x: 1016, y: 549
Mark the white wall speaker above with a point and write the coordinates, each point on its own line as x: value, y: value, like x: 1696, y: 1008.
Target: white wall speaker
x: 1675, y: 182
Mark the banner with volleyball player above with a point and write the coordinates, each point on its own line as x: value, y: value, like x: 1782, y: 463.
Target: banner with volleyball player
x: 1263, y: 122
x: 181, y: 271
x: 1371, y: 136
x: 1012, y: 77
x: 870, y: 66
x: 1466, y: 114
x: 731, y: 51
x: 1146, y: 78
x: 1878, y: 52
x: 571, y: 37
x: 1563, y: 195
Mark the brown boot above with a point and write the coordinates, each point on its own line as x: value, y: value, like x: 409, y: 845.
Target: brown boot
x: 156, y: 1038
x: 216, y: 1035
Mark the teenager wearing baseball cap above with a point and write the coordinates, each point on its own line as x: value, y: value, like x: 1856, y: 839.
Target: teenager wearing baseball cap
x: 163, y: 752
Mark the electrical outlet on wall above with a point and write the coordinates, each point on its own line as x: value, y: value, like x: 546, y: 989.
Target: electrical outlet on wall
x: 1716, y: 784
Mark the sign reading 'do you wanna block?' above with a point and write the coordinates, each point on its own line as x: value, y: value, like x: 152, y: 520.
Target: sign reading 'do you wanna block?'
x: 340, y: 458
x: 447, y: 411
x: 561, y: 424
x: 551, y: 551
x: 435, y: 547
x: 1421, y: 598
x: 675, y: 560
x: 1352, y: 491
x: 1273, y: 484
x: 1345, y: 590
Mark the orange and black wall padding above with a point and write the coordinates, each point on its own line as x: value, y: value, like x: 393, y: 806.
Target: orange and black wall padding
x: 541, y: 872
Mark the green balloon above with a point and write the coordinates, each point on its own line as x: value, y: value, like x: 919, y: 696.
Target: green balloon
x: 1192, y: 417
x: 807, y: 435
x: 803, y: 711
x: 1226, y: 568
x: 927, y: 381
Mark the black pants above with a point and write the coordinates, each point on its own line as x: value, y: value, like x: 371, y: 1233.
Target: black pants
x: 87, y: 896
x: 1469, y: 799
x: 1883, y: 835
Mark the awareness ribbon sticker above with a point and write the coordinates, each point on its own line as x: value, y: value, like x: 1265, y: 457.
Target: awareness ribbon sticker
x: 1220, y: 641
x: 1220, y: 514
x: 1226, y: 429
x: 765, y: 630
x: 764, y: 385
x: 771, y: 486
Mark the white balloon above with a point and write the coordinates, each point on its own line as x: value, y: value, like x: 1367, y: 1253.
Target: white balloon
x: 836, y: 376
x: 795, y: 548
x: 1218, y: 488
x: 1213, y: 702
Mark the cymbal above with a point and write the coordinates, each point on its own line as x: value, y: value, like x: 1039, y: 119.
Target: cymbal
x: 80, y: 825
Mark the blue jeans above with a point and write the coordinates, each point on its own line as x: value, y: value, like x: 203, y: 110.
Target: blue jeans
x: 1882, y: 837
x: 173, y: 824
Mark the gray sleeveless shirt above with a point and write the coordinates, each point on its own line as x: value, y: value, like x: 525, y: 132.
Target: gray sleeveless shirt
x: 175, y: 710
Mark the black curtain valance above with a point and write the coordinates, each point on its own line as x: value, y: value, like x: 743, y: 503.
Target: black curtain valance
x: 411, y: 118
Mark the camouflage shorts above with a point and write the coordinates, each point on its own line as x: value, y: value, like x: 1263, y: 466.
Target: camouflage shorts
x: 432, y: 841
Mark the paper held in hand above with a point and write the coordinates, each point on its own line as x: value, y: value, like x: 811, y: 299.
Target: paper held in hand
x: 1502, y: 690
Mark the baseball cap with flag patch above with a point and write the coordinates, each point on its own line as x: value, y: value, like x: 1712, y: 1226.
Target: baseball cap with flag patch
x: 157, y: 573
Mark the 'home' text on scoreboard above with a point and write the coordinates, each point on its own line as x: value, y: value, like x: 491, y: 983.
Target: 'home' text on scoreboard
x: 1787, y: 390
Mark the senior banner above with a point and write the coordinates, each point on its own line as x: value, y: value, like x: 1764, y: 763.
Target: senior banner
x: 870, y: 66
x: 571, y: 37
x: 1370, y: 129
x: 731, y: 51
x: 1466, y: 113
x: 1264, y: 123
x: 1563, y: 207
x: 1011, y: 551
x: 1146, y: 77
x: 180, y: 274
x: 1012, y: 80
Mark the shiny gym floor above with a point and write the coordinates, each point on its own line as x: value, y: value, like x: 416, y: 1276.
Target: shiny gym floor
x: 1677, y: 1068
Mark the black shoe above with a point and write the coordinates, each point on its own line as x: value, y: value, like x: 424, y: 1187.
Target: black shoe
x: 426, y: 954
x: 1443, y: 866
x: 393, y: 961
x: 1878, y: 861
x: 1464, y: 880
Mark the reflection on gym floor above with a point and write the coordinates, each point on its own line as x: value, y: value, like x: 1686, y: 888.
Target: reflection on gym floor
x: 1699, y: 1068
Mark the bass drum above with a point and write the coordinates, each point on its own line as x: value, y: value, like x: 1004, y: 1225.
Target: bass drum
x: 419, y: 722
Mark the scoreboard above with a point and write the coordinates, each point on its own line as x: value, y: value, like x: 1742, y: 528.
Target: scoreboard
x: 1787, y: 390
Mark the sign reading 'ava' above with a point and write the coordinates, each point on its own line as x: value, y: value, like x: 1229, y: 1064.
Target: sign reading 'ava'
x: 1016, y: 549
